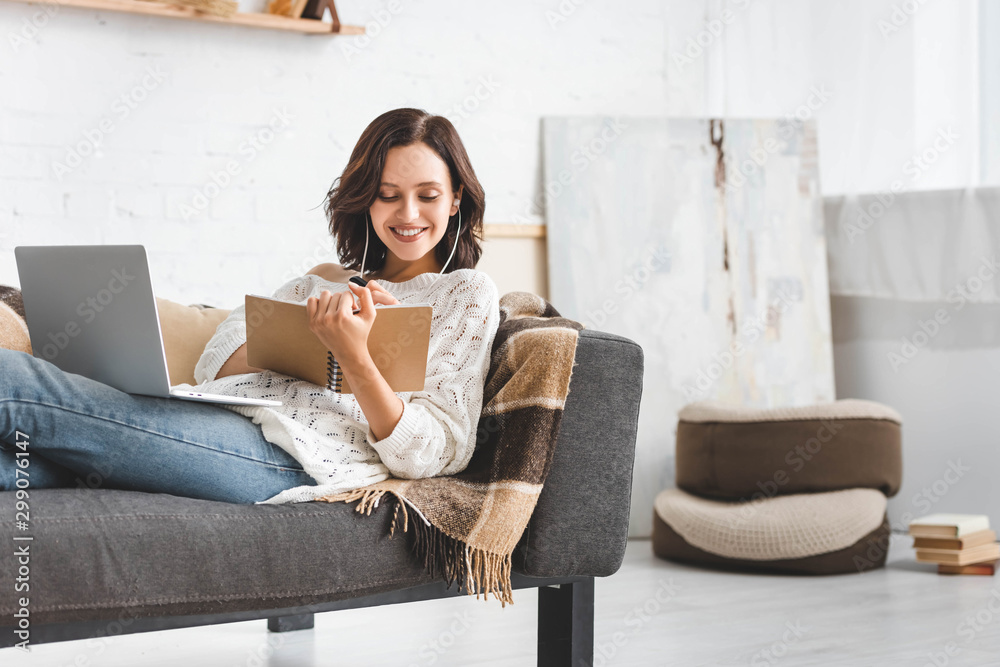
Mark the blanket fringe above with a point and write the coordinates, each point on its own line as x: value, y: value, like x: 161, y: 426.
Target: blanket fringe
x: 479, y: 570
x: 369, y: 499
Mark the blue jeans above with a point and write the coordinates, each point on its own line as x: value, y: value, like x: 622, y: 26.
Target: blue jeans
x: 83, y: 433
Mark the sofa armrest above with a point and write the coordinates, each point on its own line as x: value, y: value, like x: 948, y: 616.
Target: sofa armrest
x: 580, y: 524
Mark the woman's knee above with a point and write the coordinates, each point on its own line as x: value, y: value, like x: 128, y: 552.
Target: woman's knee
x: 12, y: 369
x: 25, y: 376
x: 19, y: 375
x: 14, y: 362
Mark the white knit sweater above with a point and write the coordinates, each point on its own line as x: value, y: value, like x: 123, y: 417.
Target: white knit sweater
x: 328, y: 433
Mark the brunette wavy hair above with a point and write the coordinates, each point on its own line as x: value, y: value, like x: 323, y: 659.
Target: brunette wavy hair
x: 354, y: 191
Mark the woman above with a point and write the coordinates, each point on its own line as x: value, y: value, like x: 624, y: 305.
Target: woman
x: 410, y: 182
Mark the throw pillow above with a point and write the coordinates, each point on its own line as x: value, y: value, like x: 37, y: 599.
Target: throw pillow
x: 186, y: 331
x: 13, y: 328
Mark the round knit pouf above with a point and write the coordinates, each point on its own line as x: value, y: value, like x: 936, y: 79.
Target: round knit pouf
x: 811, y: 533
x: 736, y: 453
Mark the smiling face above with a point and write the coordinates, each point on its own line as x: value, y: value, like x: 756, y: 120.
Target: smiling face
x: 411, y: 212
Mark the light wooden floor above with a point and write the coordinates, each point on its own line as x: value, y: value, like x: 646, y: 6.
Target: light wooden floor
x: 651, y: 612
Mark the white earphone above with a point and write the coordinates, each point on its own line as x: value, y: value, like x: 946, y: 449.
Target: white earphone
x: 456, y: 202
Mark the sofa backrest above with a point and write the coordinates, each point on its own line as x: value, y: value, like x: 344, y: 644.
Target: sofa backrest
x: 186, y: 331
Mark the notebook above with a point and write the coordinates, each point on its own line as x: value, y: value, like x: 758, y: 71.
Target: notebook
x: 280, y: 340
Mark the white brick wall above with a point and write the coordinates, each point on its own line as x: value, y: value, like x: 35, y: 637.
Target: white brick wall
x: 170, y: 103
x: 213, y: 88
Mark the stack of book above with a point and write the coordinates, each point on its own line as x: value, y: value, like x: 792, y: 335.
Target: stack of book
x: 958, y: 543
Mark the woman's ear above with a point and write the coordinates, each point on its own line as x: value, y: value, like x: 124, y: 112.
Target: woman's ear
x: 458, y: 196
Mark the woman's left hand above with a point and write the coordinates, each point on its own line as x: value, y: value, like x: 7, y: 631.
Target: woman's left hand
x: 342, y: 331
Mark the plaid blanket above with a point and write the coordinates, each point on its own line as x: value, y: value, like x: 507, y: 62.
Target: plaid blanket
x: 469, y: 523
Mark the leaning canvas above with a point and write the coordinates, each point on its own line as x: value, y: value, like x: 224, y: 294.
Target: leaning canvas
x: 703, y: 241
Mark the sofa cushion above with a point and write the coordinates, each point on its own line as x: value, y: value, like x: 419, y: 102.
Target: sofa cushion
x: 13, y: 329
x: 737, y: 453
x: 186, y: 331
x: 818, y: 533
x: 105, y: 554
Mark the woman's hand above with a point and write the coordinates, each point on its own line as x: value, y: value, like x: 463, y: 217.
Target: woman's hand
x: 379, y: 295
x: 342, y: 331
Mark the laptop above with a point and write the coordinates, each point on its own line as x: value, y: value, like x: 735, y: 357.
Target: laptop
x: 91, y: 311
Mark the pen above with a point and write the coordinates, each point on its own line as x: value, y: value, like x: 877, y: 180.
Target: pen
x: 358, y: 280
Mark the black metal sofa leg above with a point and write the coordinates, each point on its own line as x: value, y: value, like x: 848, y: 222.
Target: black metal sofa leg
x: 566, y: 625
x: 289, y: 623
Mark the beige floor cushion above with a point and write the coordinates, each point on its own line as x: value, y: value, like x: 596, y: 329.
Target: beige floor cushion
x: 814, y: 533
x: 736, y: 453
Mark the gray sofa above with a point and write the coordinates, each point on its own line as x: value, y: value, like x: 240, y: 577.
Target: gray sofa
x: 106, y: 562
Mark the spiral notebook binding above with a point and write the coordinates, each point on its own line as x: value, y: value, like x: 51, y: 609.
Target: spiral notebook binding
x: 334, y: 374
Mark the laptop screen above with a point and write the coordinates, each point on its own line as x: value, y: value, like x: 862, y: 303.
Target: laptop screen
x: 91, y: 311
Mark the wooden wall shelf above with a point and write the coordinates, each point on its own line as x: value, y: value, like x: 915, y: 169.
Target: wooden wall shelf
x: 249, y: 19
x: 497, y: 230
